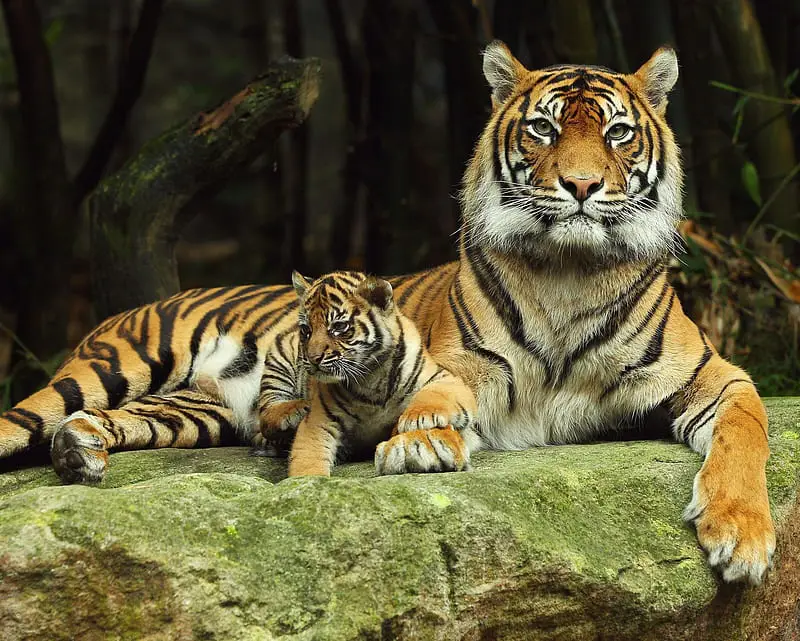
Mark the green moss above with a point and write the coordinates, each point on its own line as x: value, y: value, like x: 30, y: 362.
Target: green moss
x: 574, y: 540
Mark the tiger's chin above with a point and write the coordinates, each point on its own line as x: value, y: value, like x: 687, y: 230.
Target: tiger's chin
x: 584, y: 240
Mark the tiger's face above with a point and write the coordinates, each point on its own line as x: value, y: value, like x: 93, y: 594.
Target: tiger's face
x: 346, y: 325
x: 575, y: 162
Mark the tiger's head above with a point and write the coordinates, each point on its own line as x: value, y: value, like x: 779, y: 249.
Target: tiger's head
x: 576, y: 162
x: 347, y: 325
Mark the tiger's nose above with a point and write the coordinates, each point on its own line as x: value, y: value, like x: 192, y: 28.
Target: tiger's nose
x: 581, y: 188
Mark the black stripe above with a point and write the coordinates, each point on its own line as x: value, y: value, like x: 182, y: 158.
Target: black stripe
x: 471, y: 340
x: 114, y: 383
x: 397, y: 363
x: 637, y: 288
x: 342, y: 403
x: 415, y: 372
x: 492, y: 287
x: 217, y: 312
x: 28, y: 421
x: 626, y: 304
x: 707, y: 354
x: 328, y: 412
x: 695, y: 424
x: 71, y: 392
x: 412, y: 287
x: 651, y: 353
x: 245, y: 360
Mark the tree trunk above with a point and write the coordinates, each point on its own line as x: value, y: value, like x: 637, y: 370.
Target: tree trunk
x: 352, y: 68
x: 293, y: 255
x: 388, y: 29
x: 45, y: 245
x: 467, y: 93
x: 710, y: 147
x: 137, y: 214
x: 573, y: 26
x: 652, y: 29
x: 766, y: 127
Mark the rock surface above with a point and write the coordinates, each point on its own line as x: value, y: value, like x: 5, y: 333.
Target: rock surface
x: 568, y: 543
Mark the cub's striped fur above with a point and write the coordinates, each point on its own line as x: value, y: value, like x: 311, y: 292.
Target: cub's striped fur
x: 558, y: 314
x: 368, y: 377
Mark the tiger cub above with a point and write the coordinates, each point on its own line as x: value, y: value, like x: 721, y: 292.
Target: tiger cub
x: 361, y: 375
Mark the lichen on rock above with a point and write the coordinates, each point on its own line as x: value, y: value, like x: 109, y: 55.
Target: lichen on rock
x: 573, y: 542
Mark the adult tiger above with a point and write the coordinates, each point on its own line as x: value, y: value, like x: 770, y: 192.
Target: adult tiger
x: 558, y: 313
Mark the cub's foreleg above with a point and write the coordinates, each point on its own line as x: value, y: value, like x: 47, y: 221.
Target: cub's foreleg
x: 724, y: 420
x: 315, y: 446
x: 283, y: 397
x: 184, y: 418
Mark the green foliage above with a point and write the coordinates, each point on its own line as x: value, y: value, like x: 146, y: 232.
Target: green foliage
x: 751, y: 182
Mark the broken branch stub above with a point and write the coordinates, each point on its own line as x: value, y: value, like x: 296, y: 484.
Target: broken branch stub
x: 137, y: 213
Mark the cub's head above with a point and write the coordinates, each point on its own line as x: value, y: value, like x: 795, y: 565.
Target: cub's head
x: 347, y: 325
x: 576, y: 162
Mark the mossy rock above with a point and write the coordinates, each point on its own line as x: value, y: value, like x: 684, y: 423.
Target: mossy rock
x: 572, y: 543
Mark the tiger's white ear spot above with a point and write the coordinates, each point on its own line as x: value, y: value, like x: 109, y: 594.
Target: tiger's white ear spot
x: 299, y: 283
x: 658, y: 76
x: 501, y: 70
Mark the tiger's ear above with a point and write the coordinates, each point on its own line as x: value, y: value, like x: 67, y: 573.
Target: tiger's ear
x: 658, y: 76
x: 299, y: 283
x: 501, y: 70
x: 377, y: 292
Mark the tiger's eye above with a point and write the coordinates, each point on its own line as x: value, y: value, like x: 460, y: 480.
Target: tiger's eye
x: 618, y: 131
x: 305, y: 331
x: 543, y: 127
x: 339, y: 327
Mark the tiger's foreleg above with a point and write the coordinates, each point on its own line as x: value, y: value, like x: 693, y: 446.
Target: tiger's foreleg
x: 445, y: 401
x: 183, y: 418
x: 433, y: 433
x: 725, y: 421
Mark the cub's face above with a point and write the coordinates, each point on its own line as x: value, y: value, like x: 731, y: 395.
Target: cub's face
x: 576, y: 161
x: 345, y: 325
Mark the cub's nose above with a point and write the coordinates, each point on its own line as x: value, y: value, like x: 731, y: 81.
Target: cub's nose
x: 581, y: 188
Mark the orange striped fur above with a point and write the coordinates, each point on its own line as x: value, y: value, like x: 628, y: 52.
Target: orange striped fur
x: 557, y: 315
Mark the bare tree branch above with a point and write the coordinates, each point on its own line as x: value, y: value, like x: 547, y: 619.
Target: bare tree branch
x: 129, y: 88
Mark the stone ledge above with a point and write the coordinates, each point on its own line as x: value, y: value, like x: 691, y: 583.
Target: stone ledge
x: 573, y: 542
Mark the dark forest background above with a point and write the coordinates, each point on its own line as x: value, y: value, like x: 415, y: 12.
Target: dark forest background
x: 369, y: 180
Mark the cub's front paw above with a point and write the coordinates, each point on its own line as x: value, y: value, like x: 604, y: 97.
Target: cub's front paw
x: 433, y: 450
x: 283, y: 417
x: 737, y: 535
x: 78, y: 450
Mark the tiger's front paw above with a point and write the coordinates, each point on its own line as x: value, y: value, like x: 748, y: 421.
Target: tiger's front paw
x: 737, y: 535
x: 433, y: 450
x: 426, y: 417
x: 78, y: 450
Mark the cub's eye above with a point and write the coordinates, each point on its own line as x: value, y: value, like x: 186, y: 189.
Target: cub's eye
x: 618, y: 131
x: 338, y: 328
x: 305, y: 331
x: 543, y: 127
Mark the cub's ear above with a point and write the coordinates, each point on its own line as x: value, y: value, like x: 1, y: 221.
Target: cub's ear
x: 658, y: 76
x: 501, y: 70
x: 299, y: 283
x: 377, y: 292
